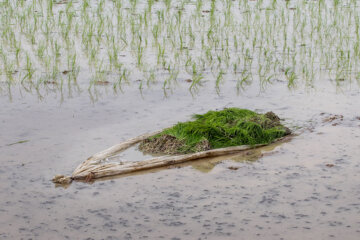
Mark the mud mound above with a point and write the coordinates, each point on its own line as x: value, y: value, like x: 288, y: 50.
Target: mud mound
x: 217, y: 129
x: 164, y: 144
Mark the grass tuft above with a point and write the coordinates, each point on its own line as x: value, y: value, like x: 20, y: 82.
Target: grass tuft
x: 217, y: 129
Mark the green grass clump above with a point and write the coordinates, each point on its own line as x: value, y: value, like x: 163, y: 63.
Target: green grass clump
x: 217, y: 129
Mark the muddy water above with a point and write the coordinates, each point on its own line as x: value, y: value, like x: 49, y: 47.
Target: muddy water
x: 307, y: 188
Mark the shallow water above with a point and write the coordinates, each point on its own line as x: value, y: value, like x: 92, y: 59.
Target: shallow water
x: 291, y: 192
x: 305, y: 188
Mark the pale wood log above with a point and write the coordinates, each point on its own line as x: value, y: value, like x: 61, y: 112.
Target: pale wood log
x: 96, y: 158
x: 94, y: 169
x: 96, y: 166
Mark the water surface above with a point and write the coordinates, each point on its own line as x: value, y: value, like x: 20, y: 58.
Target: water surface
x: 306, y: 188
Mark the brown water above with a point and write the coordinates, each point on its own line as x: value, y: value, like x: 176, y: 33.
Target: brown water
x: 291, y: 192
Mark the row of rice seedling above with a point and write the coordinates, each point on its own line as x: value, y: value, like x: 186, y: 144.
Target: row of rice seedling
x: 147, y: 43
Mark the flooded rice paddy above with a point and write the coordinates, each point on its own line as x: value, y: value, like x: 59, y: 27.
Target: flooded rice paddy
x: 297, y: 58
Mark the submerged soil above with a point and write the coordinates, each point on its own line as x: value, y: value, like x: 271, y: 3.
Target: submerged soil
x: 288, y: 191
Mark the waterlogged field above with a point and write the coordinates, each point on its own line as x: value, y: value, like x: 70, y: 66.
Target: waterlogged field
x: 57, y: 45
x: 79, y: 76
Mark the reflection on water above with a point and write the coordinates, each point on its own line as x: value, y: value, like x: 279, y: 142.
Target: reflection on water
x: 207, y: 164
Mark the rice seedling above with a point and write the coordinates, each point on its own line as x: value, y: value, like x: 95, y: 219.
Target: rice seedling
x: 259, y: 39
x: 217, y: 129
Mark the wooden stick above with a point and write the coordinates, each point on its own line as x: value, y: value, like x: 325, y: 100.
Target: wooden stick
x: 96, y: 169
x: 96, y: 158
x: 95, y: 166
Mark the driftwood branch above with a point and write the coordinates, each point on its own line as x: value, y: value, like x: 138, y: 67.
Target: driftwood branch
x: 93, y: 171
x: 96, y: 158
x: 96, y: 166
